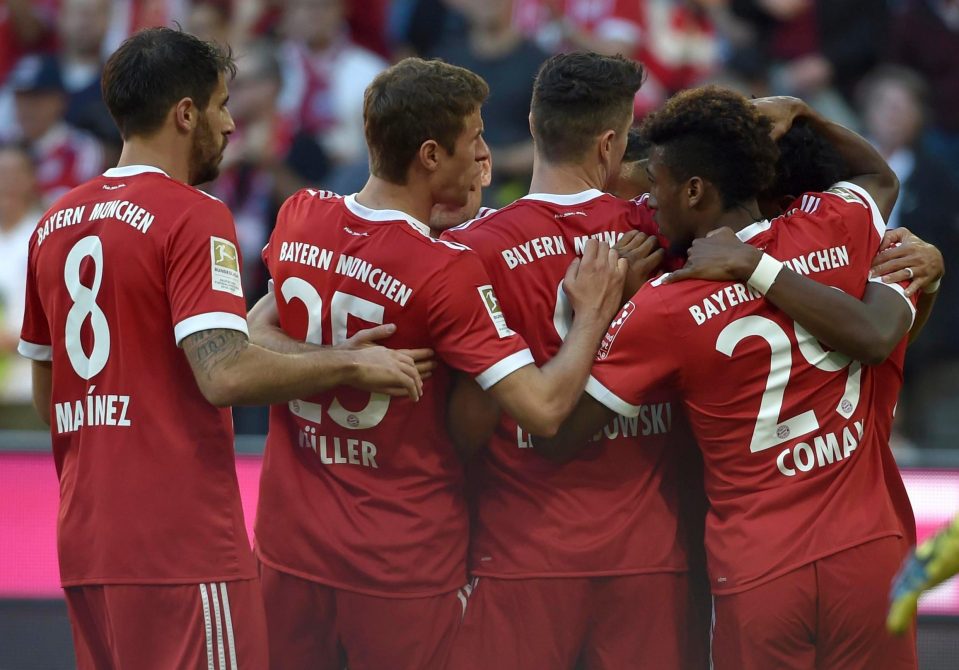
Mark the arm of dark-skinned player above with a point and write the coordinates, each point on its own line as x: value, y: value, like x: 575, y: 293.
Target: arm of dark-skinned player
x: 866, y: 330
x: 471, y: 417
x: 643, y: 258
x: 587, y: 418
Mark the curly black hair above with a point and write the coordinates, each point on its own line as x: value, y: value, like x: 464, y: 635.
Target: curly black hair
x: 716, y: 134
x: 807, y: 163
x: 576, y: 97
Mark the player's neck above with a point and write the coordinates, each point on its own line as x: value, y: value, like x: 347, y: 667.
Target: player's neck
x: 738, y: 216
x: 381, y: 194
x: 563, y: 179
x: 155, y: 152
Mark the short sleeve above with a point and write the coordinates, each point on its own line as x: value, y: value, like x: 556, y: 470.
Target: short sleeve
x: 202, y: 263
x: 635, y: 356
x: 35, y: 341
x: 468, y: 326
x: 858, y: 215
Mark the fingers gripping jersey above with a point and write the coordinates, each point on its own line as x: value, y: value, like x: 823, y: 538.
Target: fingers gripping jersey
x: 793, y: 457
x: 121, y: 269
x: 363, y: 491
x: 617, y: 510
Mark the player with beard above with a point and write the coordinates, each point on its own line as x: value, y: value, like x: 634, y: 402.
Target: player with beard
x: 124, y: 272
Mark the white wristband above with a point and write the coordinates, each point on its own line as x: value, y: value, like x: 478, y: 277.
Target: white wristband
x: 765, y: 273
x: 932, y: 287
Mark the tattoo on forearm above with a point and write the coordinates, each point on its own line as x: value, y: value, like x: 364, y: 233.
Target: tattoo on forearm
x: 209, y: 349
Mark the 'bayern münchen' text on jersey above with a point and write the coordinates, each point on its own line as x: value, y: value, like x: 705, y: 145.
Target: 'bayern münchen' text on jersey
x: 364, y: 492
x: 793, y: 466
x: 121, y: 270
x: 611, y: 510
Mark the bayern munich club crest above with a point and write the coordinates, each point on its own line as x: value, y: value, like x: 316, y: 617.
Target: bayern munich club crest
x: 614, y: 329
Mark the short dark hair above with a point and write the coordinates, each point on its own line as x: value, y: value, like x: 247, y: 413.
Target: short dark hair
x: 577, y: 96
x: 716, y: 134
x: 412, y: 102
x: 637, y: 147
x: 156, y: 68
x: 807, y: 163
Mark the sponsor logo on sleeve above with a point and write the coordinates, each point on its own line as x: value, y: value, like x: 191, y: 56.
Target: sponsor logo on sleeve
x: 491, y: 302
x: 225, y: 266
x: 614, y: 328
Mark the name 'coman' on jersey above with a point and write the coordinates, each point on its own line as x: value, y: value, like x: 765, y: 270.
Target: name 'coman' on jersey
x: 121, y: 269
x: 616, y: 513
x: 365, y: 492
x: 793, y: 460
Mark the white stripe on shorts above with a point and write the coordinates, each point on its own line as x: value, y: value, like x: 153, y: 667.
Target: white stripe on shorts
x: 208, y: 628
x: 228, y: 617
x: 219, y: 627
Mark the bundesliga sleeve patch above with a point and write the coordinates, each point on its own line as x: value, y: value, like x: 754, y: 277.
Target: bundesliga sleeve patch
x: 225, y: 266
x: 491, y: 302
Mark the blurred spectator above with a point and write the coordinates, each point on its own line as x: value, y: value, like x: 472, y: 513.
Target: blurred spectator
x: 253, y: 181
x: 496, y: 51
x: 605, y: 26
x: 211, y: 20
x: 65, y: 156
x: 26, y: 26
x: 325, y: 75
x: 129, y: 16
x: 81, y: 30
x: 19, y: 212
x: 926, y: 38
x: 814, y: 49
x: 892, y: 104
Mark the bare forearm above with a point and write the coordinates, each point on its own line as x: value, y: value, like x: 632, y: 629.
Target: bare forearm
x: 275, y: 339
x: 231, y: 371
x: 472, y: 416
x: 577, y: 431
x: 539, y: 399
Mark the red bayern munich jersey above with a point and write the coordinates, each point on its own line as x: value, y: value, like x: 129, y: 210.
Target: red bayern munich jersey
x: 121, y: 269
x: 364, y: 492
x: 793, y: 462
x: 611, y: 510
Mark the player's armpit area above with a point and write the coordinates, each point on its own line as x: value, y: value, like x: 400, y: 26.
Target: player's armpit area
x: 209, y: 352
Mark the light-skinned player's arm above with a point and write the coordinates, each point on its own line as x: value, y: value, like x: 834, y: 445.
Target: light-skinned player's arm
x: 866, y: 330
x: 903, y: 256
x: 865, y: 166
x: 540, y: 398
x: 471, y: 416
x: 929, y: 564
x: 263, y: 321
x: 231, y: 371
x: 42, y: 385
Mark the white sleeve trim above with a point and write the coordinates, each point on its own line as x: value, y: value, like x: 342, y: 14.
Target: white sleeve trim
x: 498, y: 371
x: 901, y: 291
x: 209, y: 321
x: 36, y: 352
x: 877, y: 220
x: 606, y: 397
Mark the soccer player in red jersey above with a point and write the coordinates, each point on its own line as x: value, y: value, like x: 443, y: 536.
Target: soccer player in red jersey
x: 798, y: 518
x: 564, y: 552
x: 124, y: 272
x: 362, y: 525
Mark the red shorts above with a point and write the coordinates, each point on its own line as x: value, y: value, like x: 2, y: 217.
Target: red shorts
x: 634, y: 621
x: 314, y: 626
x: 202, y: 626
x: 828, y: 614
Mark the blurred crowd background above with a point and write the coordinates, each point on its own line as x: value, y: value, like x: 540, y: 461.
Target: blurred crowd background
x: 889, y: 68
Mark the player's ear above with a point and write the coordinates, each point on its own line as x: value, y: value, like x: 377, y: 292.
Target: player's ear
x: 695, y: 191
x: 186, y: 115
x: 428, y: 155
x: 606, y: 146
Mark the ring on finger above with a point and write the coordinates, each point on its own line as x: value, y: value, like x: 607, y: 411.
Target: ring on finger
x: 911, y: 273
